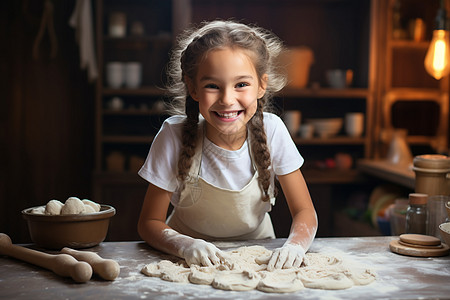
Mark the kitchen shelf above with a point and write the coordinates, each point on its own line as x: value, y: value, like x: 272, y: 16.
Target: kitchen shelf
x: 409, y: 44
x: 141, y: 91
x: 132, y: 112
x: 324, y: 93
x: 336, y: 140
x: 403, y: 81
x: 332, y: 176
x: 128, y: 139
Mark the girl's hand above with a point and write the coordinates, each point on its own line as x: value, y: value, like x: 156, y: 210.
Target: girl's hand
x: 199, y: 252
x: 286, y: 257
x: 195, y: 251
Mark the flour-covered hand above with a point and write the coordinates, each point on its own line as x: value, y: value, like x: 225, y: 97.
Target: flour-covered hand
x: 195, y: 251
x: 201, y: 253
x: 288, y: 256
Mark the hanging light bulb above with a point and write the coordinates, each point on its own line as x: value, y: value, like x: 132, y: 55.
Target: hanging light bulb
x: 437, y: 59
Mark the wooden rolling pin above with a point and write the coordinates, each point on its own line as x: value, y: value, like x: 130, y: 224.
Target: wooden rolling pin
x: 61, y: 264
x: 107, y: 269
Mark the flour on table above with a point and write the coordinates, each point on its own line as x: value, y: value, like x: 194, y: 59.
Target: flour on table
x: 248, y: 270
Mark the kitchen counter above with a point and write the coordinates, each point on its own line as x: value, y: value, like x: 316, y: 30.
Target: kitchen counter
x: 398, y: 276
x: 402, y: 175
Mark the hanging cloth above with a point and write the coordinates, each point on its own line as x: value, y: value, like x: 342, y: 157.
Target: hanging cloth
x: 81, y: 20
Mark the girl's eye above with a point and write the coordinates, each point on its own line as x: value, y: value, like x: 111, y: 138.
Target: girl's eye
x: 211, y: 86
x: 242, y: 84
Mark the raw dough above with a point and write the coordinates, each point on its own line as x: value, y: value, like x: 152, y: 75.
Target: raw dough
x: 236, y: 280
x: 53, y: 207
x: 73, y: 205
x: 40, y: 210
x: 280, y: 281
x: 89, y: 209
x: 96, y: 207
x: 248, y: 270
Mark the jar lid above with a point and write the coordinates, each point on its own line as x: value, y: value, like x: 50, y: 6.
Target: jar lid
x: 432, y: 161
x: 418, y: 199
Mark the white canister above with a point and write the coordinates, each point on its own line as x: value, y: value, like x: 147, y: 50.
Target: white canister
x: 133, y: 74
x: 117, y: 25
x: 292, y: 119
x: 354, y: 124
x: 115, y: 74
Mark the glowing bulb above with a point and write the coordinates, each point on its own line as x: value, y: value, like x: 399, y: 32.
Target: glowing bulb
x: 437, y: 59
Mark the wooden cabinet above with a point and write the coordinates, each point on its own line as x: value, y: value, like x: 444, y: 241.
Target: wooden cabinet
x: 127, y: 118
x: 408, y: 97
x: 338, y: 33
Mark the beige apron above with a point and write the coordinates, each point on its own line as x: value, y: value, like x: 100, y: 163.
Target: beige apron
x: 212, y: 213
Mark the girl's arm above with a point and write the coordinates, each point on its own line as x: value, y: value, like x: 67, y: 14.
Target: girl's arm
x: 153, y: 229
x: 304, y: 222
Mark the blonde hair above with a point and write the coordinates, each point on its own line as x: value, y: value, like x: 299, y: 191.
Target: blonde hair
x: 263, y: 48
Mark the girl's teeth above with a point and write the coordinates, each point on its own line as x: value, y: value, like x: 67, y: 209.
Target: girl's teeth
x: 228, y: 115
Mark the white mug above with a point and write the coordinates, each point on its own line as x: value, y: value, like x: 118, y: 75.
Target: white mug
x: 354, y: 124
x: 292, y: 119
x: 133, y: 74
x: 306, y: 131
x: 114, y: 74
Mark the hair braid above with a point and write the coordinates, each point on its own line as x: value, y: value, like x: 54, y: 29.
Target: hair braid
x: 260, y: 149
x: 189, y: 138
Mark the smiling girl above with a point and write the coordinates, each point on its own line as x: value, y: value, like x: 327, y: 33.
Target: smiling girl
x: 217, y: 158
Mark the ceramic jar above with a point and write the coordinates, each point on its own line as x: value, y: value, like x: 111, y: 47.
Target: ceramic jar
x: 432, y: 174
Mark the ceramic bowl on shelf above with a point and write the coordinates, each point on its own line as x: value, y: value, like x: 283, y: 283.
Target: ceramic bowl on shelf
x: 326, y: 127
x: 444, y: 228
x: 74, y: 230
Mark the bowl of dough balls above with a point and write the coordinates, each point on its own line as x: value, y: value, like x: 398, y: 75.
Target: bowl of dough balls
x: 75, y: 223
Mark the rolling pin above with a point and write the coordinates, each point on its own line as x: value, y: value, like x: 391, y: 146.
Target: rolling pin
x: 61, y: 264
x: 107, y: 269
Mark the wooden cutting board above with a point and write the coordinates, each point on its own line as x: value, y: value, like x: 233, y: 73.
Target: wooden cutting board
x: 396, y: 247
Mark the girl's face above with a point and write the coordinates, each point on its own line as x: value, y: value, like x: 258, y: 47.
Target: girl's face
x: 227, y: 88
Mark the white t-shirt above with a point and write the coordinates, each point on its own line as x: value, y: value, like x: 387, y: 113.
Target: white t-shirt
x: 223, y: 168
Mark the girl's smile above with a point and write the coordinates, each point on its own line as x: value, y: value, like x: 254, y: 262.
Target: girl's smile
x: 227, y: 88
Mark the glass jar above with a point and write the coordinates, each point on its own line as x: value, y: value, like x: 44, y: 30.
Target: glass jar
x: 416, y: 214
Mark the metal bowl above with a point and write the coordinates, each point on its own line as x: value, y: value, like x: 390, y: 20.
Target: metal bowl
x: 74, y: 231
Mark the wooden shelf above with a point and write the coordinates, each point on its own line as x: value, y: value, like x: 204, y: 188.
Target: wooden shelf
x: 324, y: 93
x: 127, y: 139
x: 337, y: 140
x: 382, y: 169
x: 409, y: 44
x: 331, y: 176
x: 145, y: 38
x: 131, y: 112
x: 142, y: 91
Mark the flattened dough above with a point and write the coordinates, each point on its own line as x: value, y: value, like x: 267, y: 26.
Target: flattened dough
x: 236, y: 281
x: 280, y: 281
x: 248, y: 270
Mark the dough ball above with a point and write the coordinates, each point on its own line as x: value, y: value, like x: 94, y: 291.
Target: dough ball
x: 88, y: 209
x: 94, y: 205
x: 73, y: 205
x: 53, y: 207
x: 38, y: 210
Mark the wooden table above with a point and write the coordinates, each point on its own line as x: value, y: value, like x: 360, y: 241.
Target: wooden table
x: 398, y: 276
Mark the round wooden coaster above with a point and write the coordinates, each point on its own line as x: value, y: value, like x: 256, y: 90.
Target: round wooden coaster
x: 420, y: 239
x: 420, y: 246
x: 396, y: 247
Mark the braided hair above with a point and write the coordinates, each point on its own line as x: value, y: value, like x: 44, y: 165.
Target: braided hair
x: 262, y: 47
